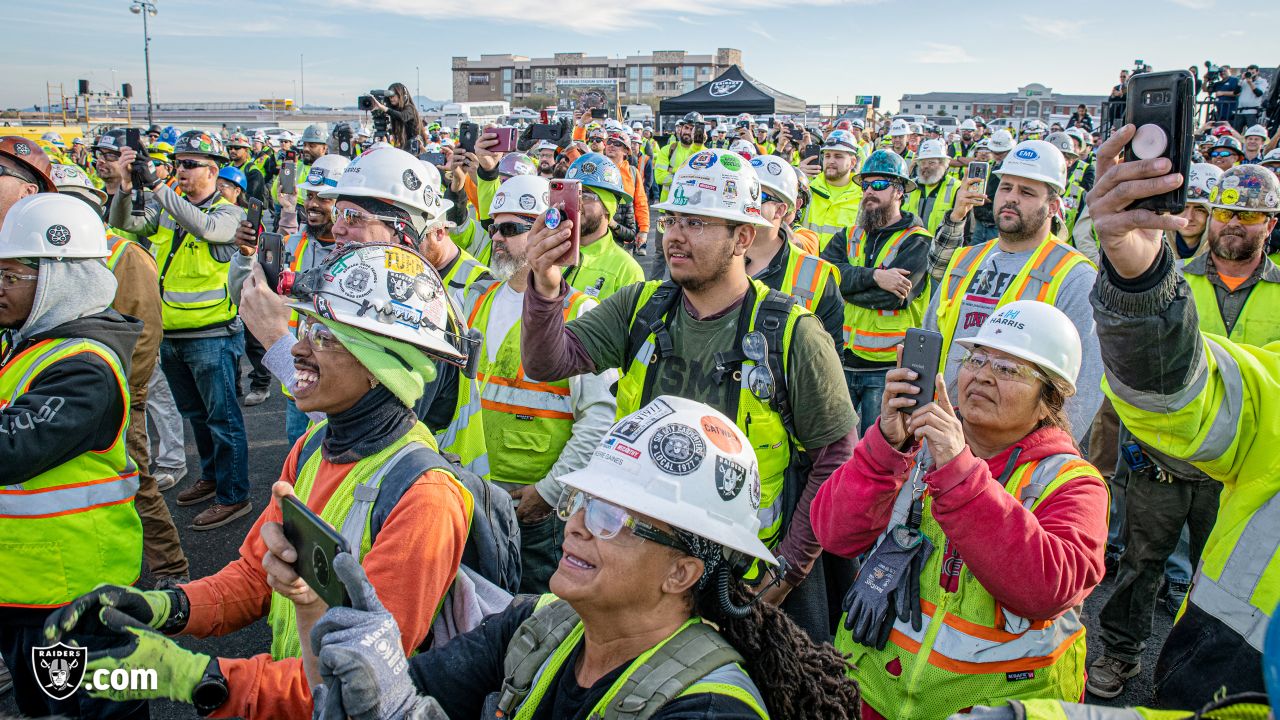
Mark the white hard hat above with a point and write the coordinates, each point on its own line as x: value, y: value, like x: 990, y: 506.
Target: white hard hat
x: 932, y: 150
x: 685, y: 464
x: 50, y: 225
x: 53, y: 139
x: 969, y: 125
x: 287, y: 135
x: 324, y: 173
x: 393, y: 175
x: 1033, y: 331
x: 1063, y: 142
x: 521, y: 195
x: 1078, y: 134
x: 1001, y: 141
x: 1201, y: 180
x: 899, y: 128
x: 858, y: 123
x: 840, y: 141
x: 545, y: 145
x: 916, y: 129
x: 716, y: 183
x: 388, y: 290
x: 71, y: 179
x: 776, y: 176
x: 1256, y: 131
x: 1271, y: 157
x: 744, y: 148
x: 637, y: 125
x: 1036, y: 160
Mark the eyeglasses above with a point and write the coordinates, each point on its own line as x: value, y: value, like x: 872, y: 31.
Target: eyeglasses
x: 511, y: 229
x: 1246, y: 217
x: 690, y: 226
x: 193, y: 164
x: 760, y: 378
x: 107, y: 155
x: 1221, y: 153
x: 878, y: 184
x: 1003, y: 369
x: 11, y: 279
x: 320, y: 337
x: 353, y: 217
x: 606, y: 521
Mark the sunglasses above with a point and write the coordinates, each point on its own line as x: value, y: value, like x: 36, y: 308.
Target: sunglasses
x: 1246, y: 217
x: 1002, y: 368
x: 320, y: 337
x: 1221, y: 153
x: 878, y: 184
x: 511, y: 229
x: 607, y: 521
x: 760, y: 379
x: 768, y: 198
x: 193, y: 164
x: 617, y: 143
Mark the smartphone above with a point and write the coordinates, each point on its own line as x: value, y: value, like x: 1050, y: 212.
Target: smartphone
x: 255, y: 213
x: 1160, y: 106
x: 545, y: 131
x: 599, y: 113
x: 271, y: 257
x: 506, y: 139
x: 468, y: 133
x: 979, y: 169
x: 811, y: 150
x: 289, y: 176
x: 565, y: 201
x: 317, y: 544
x: 438, y: 159
x: 922, y: 352
x: 133, y: 139
x: 291, y: 155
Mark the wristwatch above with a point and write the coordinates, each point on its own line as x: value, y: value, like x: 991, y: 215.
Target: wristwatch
x: 211, y: 692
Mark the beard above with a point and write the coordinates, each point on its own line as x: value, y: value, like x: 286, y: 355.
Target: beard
x: 591, y: 223
x: 721, y: 262
x: 503, y: 265
x: 874, y: 217
x: 932, y: 177
x: 1025, y: 226
x: 1234, y: 246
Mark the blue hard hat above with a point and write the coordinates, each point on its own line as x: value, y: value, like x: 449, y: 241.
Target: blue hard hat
x: 597, y: 171
x: 886, y: 163
x: 235, y: 175
x: 170, y: 135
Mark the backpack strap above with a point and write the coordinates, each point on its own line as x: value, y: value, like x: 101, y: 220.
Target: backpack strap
x: 311, y: 446
x: 681, y: 662
x: 533, y: 643
x: 1045, y: 472
x: 651, y: 319
x: 771, y: 319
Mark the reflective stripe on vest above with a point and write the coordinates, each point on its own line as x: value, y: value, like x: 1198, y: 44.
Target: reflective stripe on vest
x: 873, y: 334
x: 118, y: 246
x: 193, y: 284
x: 804, y: 277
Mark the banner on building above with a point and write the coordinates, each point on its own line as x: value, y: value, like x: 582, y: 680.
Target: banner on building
x: 588, y: 93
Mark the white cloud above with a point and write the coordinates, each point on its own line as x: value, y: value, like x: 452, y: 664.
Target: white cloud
x: 754, y: 28
x: 1195, y: 4
x: 1059, y: 28
x: 941, y: 54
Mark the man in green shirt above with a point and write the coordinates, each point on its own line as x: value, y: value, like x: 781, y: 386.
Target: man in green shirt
x: 714, y: 335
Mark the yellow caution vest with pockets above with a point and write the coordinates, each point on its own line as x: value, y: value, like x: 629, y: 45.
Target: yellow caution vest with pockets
x: 464, y: 436
x: 193, y: 283
x: 970, y: 649
x: 1259, y: 321
x: 693, y: 660
x: 72, y: 526
x: 875, y: 334
x: 932, y: 206
x: 806, y: 277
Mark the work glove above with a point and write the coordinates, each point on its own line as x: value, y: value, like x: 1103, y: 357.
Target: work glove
x: 360, y: 658
x: 151, y: 608
x: 144, y: 173
x: 177, y: 670
x: 907, y: 598
x: 870, y: 602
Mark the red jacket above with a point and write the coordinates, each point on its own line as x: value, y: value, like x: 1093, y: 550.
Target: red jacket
x: 1036, y: 564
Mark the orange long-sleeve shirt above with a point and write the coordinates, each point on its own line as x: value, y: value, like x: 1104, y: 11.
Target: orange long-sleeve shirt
x: 412, y: 564
x: 634, y: 184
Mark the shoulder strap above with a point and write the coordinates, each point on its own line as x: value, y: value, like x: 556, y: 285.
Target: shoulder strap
x: 772, y: 319
x: 311, y: 445
x: 651, y: 320
x: 533, y: 643
x: 1045, y: 472
x: 682, y: 661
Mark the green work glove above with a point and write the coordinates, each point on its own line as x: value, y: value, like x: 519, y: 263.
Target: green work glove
x: 152, y: 608
x: 177, y: 670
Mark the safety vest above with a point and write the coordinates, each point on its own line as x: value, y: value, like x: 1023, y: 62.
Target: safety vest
x: 1076, y: 175
x: 1039, y: 279
x: 603, y: 269
x: 464, y: 436
x: 349, y: 510
x: 932, y: 207
x: 526, y: 423
x: 193, y: 284
x: 874, y: 334
x: 1247, y: 706
x: 970, y: 649
x: 72, y: 526
x: 466, y: 280
x: 118, y: 244
x: 300, y: 171
x: 1072, y: 203
x: 762, y: 424
x: 1259, y: 321
x: 805, y: 277
x: 693, y: 660
x: 671, y: 157
x: 831, y: 210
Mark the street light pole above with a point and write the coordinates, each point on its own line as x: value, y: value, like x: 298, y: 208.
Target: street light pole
x: 417, y: 91
x: 145, y: 8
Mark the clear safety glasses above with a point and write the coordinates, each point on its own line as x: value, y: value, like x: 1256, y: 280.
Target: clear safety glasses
x: 1002, y: 368
x: 607, y: 521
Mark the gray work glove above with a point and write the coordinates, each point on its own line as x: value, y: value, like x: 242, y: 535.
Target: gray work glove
x: 870, y: 604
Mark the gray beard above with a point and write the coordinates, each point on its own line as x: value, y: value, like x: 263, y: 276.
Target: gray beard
x: 1238, y: 251
x: 503, y: 267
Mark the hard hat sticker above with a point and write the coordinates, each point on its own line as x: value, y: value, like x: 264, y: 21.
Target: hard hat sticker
x: 730, y: 477
x: 677, y: 449
x: 634, y: 425
x: 720, y: 434
x: 402, y: 261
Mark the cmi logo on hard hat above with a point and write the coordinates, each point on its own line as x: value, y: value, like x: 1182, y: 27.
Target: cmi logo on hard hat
x: 725, y: 87
x: 1028, y: 154
x: 59, y: 668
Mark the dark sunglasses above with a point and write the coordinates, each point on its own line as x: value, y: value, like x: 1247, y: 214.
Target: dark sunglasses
x: 1221, y: 153
x: 192, y: 164
x: 617, y: 143
x: 511, y: 229
x: 878, y: 184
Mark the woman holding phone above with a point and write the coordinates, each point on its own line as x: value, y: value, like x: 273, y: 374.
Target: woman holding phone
x: 980, y: 556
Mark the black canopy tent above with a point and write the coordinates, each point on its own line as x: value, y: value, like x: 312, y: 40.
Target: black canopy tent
x: 732, y: 93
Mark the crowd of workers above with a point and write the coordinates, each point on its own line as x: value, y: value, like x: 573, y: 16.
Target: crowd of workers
x: 568, y: 491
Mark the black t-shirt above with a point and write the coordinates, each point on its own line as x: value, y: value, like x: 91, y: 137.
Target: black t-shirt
x: 461, y: 675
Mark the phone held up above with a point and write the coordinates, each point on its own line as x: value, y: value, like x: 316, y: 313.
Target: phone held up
x: 565, y: 201
x: 317, y: 544
x: 922, y: 352
x: 468, y: 133
x: 271, y: 257
x: 506, y: 139
x: 289, y: 175
x: 979, y: 169
x: 1160, y: 106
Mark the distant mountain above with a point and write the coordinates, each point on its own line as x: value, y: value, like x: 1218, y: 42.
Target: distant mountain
x: 427, y: 103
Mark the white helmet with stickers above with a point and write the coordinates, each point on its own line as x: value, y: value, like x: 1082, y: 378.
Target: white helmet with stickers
x: 776, y: 176
x: 1001, y: 141
x: 932, y: 150
x: 1033, y: 331
x: 51, y: 225
x: 386, y: 173
x: 685, y: 464
x: 324, y: 173
x: 522, y: 195
x: 899, y: 128
x: 1247, y: 187
x: 1036, y: 160
x: 70, y: 179
x: 718, y: 184
x: 1201, y: 181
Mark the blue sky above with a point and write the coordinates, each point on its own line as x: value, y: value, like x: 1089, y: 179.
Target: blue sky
x: 820, y: 50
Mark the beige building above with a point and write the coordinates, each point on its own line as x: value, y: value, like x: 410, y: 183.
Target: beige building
x: 665, y: 73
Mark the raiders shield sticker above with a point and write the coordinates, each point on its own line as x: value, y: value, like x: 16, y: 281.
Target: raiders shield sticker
x: 677, y: 449
x: 59, y: 668
x: 400, y: 286
x: 730, y: 477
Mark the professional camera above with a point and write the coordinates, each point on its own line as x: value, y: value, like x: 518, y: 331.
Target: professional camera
x: 1212, y: 73
x: 365, y: 102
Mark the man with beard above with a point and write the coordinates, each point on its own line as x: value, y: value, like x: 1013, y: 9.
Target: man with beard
x: 883, y: 263
x: 535, y: 432
x: 961, y: 151
x: 545, y: 153
x: 1236, y: 289
x: 241, y: 154
x: 935, y: 192
x: 714, y: 335
x: 835, y: 196
x: 690, y: 137
x: 603, y: 266
x: 1025, y: 262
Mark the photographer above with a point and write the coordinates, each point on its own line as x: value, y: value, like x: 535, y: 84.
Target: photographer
x: 406, y: 125
x: 1226, y: 92
x: 1253, y: 90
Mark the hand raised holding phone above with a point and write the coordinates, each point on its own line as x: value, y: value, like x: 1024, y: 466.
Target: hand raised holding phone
x: 546, y: 245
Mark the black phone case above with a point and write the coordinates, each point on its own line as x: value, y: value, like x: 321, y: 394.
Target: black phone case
x: 1164, y: 99
x: 317, y: 545
x: 922, y: 352
x: 468, y: 133
x: 271, y: 257
x: 289, y: 175
x: 254, y: 216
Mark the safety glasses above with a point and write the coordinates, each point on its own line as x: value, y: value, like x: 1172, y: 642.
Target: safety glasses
x: 1246, y: 217
x: 1221, y: 153
x: 193, y: 164
x: 617, y: 144
x: 11, y: 280
x: 320, y: 337
x: 689, y: 226
x: 1002, y: 368
x: 768, y: 198
x: 879, y: 184
x: 354, y: 217
x: 760, y: 379
x: 607, y: 521
x: 511, y: 229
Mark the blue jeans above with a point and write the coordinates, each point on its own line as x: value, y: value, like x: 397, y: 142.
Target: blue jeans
x: 866, y: 388
x: 295, y: 421
x: 203, y: 373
